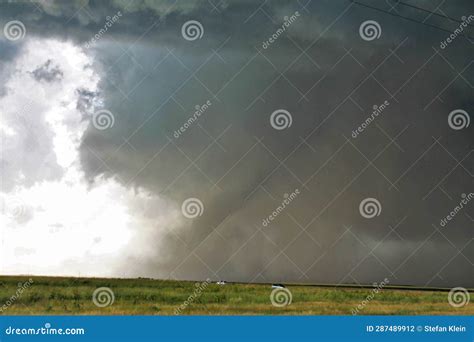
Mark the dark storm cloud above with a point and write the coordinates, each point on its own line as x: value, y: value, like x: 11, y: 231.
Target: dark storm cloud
x: 240, y: 167
x: 8, y: 52
x: 86, y: 100
x: 47, y: 72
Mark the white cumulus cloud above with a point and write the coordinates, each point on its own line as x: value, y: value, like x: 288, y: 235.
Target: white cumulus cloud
x: 52, y: 221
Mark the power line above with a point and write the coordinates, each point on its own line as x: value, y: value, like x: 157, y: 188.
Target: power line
x: 406, y: 18
x: 434, y: 13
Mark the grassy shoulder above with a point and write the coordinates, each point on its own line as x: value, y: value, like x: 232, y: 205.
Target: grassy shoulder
x: 73, y: 296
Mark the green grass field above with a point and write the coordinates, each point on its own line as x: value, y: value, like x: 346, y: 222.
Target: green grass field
x: 73, y: 296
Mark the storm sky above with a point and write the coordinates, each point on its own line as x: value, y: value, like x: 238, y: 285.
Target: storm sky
x: 277, y: 121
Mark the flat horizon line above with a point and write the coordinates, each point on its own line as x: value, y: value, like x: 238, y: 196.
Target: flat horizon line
x: 323, y: 285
